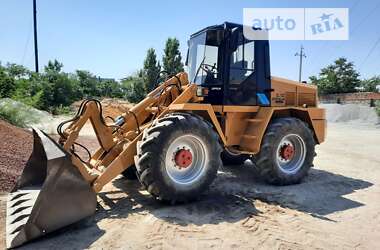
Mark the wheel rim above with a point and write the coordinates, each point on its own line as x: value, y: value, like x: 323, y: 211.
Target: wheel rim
x: 291, y: 153
x: 193, y: 169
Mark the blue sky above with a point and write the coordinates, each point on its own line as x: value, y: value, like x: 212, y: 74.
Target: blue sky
x: 110, y: 38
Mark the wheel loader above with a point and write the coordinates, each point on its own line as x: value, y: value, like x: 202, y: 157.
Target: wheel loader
x: 226, y: 109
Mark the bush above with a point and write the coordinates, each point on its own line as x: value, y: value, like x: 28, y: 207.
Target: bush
x: 62, y: 110
x: 7, y: 84
x: 34, y: 101
x: 133, y: 88
x: 377, y: 107
x: 59, y: 89
x: 14, y: 115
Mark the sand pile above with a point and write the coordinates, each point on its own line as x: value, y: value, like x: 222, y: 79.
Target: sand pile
x: 15, y: 148
x: 111, y: 107
x: 350, y: 113
x: 114, y: 108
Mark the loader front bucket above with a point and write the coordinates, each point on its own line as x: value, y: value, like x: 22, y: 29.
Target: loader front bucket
x: 51, y: 194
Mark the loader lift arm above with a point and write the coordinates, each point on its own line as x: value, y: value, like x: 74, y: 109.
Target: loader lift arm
x: 118, y: 142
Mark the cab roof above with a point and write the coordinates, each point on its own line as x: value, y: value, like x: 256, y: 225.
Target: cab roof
x: 225, y: 25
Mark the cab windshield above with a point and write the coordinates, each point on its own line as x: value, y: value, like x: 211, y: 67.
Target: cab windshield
x: 202, y: 61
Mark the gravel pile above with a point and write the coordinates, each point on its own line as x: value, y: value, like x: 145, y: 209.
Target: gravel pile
x: 16, y: 145
x: 353, y: 113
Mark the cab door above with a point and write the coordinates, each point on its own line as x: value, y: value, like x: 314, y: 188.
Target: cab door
x: 247, y: 80
x: 241, y: 86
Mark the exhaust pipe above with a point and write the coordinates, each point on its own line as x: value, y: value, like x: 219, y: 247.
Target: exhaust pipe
x: 50, y: 194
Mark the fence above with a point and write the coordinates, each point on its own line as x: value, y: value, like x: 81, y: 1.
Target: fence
x: 367, y: 98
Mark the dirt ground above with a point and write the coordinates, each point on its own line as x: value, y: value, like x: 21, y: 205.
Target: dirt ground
x: 15, y: 146
x: 336, y: 207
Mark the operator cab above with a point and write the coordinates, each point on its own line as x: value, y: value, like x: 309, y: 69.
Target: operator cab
x: 229, y: 69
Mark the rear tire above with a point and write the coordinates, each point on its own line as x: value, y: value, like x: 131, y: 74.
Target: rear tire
x: 287, y: 152
x: 230, y: 158
x: 156, y: 160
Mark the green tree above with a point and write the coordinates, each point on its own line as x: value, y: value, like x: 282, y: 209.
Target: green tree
x: 110, y: 88
x: 29, y: 91
x: 27, y: 85
x: 151, y: 70
x: 172, y: 60
x: 370, y: 84
x: 53, y: 66
x: 133, y: 87
x: 17, y: 71
x: 87, y: 84
x: 7, y: 83
x: 53, y: 90
x: 58, y: 88
x: 340, y: 77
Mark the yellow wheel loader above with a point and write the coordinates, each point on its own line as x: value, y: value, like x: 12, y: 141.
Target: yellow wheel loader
x: 228, y: 108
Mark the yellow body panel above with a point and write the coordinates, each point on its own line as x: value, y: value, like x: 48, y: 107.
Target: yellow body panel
x: 290, y: 93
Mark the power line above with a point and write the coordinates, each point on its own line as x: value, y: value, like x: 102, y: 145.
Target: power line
x: 370, y: 52
x: 358, y: 25
x: 326, y: 42
x: 353, y: 31
x: 27, y: 43
x: 373, y: 10
x: 354, y: 5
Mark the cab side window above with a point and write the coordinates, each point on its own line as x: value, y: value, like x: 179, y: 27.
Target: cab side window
x: 242, y: 60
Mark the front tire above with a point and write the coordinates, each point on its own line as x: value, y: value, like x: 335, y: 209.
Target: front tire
x: 130, y: 173
x: 178, y: 157
x: 287, y: 152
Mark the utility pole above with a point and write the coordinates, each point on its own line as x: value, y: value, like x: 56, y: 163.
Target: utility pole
x: 301, y: 55
x: 35, y: 35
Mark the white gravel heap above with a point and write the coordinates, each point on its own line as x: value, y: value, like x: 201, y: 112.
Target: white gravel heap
x: 34, y: 117
x: 344, y: 113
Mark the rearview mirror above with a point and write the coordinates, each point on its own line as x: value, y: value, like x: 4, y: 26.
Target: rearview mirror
x: 187, y: 57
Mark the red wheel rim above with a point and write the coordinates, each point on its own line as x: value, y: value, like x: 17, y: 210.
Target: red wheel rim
x: 183, y: 158
x: 287, y: 152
